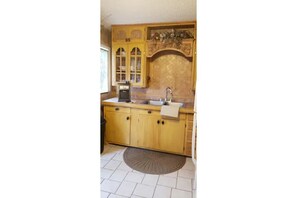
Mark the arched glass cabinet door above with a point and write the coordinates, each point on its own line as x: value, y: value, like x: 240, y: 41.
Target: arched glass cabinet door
x: 135, y: 65
x: 121, y: 67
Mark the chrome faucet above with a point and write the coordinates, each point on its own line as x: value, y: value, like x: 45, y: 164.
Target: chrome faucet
x: 168, y: 92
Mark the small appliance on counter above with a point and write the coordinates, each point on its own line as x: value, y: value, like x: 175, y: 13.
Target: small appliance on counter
x: 124, y: 92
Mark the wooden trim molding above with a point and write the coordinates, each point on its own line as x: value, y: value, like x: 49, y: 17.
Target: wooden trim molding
x: 186, y: 47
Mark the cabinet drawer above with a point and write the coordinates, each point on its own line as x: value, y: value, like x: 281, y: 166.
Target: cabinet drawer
x: 117, y: 109
x: 145, y: 112
x: 182, y: 116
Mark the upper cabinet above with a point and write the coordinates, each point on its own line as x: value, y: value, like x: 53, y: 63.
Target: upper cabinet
x: 120, y: 63
x: 136, y: 64
x: 128, y: 33
x: 128, y: 60
x: 128, y: 55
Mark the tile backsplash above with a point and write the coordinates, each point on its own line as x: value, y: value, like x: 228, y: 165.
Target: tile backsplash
x: 168, y: 69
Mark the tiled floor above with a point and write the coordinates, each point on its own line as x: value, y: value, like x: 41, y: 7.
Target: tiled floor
x: 120, y: 181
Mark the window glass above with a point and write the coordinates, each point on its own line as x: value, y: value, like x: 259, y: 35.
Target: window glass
x: 104, y: 72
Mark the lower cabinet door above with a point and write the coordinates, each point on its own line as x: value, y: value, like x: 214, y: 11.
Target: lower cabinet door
x: 171, y: 136
x: 118, y: 127
x: 144, y: 131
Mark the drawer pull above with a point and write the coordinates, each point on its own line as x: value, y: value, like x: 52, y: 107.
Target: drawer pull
x: 128, y: 118
x: 149, y: 111
x: 158, y: 122
x: 117, y: 108
x: 162, y: 122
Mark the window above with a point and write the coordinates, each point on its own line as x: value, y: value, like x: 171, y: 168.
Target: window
x: 104, y: 70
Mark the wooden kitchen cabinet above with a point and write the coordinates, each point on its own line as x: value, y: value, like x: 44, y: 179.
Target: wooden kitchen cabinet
x: 117, y: 125
x: 171, y: 137
x: 120, y: 63
x: 128, y: 33
x: 128, y: 62
x: 149, y: 130
x: 128, y: 55
x: 145, y: 128
x: 136, y: 64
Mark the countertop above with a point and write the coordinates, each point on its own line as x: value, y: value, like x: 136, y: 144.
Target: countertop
x: 139, y: 104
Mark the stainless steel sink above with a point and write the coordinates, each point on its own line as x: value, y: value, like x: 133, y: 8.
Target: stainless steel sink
x: 160, y: 103
x: 176, y: 104
x: 156, y: 102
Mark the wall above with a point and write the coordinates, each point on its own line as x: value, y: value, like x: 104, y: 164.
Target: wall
x: 105, y: 36
x: 168, y: 69
x: 105, y: 39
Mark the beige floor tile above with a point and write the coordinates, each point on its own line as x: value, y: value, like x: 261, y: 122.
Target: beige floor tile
x: 162, y: 192
x: 167, y: 181
x: 104, y: 194
x: 186, y: 173
x: 105, y: 173
x: 150, y: 180
x: 124, y: 166
x: 173, y: 174
x: 180, y: 194
x: 112, y: 164
x: 184, y: 184
x: 107, y: 156
x: 103, y: 162
x: 110, y: 186
x: 126, y: 188
x: 118, y: 147
x: 144, y: 191
x: 118, y: 175
x: 119, y: 157
x: 189, y: 165
x: 134, y: 177
x: 115, y: 150
x: 115, y: 196
x: 135, y: 171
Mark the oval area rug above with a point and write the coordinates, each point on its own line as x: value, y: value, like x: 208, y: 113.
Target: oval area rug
x: 153, y: 162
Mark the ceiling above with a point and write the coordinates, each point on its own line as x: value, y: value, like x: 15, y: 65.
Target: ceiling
x: 146, y: 11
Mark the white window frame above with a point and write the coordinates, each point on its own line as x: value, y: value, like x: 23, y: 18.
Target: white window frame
x: 104, y: 47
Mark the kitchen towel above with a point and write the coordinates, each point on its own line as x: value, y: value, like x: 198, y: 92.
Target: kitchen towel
x: 170, y: 111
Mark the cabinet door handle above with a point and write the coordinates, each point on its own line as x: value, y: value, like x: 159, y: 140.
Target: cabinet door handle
x: 162, y: 122
x: 149, y: 111
x: 117, y: 108
x: 128, y: 118
x: 158, y: 121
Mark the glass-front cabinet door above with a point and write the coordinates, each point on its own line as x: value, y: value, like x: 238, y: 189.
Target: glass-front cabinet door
x: 128, y: 64
x: 120, y: 60
x: 136, y: 64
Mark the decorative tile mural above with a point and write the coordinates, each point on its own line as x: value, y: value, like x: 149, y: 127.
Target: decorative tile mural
x: 168, y: 69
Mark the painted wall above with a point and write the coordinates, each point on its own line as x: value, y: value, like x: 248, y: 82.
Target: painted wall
x: 105, y: 36
x: 105, y: 40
